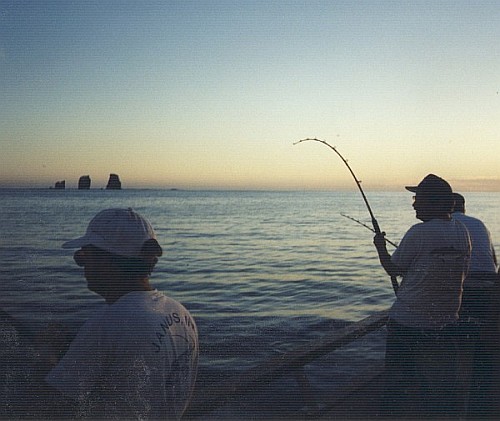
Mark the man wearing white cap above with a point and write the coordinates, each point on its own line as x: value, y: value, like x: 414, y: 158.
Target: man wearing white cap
x: 137, y: 357
x: 421, y: 359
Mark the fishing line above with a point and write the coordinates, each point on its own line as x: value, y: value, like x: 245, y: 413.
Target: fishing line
x: 376, y: 227
x: 368, y: 227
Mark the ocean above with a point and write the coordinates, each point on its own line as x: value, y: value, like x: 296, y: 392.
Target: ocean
x: 262, y: 272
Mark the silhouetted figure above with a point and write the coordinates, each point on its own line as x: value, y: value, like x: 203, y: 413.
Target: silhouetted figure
x: 479, y: 315
x: 421, y: 358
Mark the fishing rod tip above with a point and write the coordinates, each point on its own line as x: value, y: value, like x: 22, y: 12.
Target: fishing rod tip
x: 302, y: 140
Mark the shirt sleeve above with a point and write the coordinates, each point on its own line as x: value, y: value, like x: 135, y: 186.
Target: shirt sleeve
x: 77, y: 374
x: 408, y: 248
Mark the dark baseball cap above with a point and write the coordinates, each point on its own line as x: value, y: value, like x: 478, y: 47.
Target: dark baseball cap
x: 433, y: 186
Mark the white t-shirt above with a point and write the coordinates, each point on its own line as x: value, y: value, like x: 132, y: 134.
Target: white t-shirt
x: 482, y: 259
x: 136, y: 358
x: 434, y: 257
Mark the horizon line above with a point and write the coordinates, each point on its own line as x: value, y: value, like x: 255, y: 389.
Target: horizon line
x: 235, y: 189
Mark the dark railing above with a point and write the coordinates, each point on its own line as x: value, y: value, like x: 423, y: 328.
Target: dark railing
x: 211, y: 397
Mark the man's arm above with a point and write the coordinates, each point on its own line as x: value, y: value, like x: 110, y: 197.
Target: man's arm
x: 384, y: 256
x: 51, y: 344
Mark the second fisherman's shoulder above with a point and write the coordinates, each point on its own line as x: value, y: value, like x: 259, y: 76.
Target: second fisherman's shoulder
x: 437, y: 223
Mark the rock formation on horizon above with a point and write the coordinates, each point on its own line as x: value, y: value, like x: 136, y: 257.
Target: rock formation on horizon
x: 84, y: 182
x: 60, y: 185
x: 114, y: 182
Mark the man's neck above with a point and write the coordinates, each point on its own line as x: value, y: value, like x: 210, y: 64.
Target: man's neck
x: 115, y: 294
x: 443, y: 217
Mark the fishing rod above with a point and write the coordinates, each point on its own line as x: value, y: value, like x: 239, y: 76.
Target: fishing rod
x: 368, y: 227
x: 376, y: 227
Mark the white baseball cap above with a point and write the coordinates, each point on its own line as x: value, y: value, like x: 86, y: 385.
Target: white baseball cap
x: 118, y: 231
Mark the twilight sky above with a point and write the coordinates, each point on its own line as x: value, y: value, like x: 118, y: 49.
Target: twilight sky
x: 212, y: 94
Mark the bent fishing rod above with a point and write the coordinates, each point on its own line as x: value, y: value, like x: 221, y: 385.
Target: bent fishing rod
x: 376, y: 227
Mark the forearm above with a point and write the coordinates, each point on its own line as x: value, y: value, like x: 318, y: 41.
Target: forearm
x: 384, y: 256
x: 386, y: 262
x: 51, y: 344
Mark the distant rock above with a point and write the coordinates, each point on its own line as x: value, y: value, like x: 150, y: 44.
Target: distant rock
x: 114, y: 182
x: 60, y: 185
x: 84, y: 182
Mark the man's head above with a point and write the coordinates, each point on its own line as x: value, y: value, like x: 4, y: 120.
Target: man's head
x: 459, y: 203
x: 433, y: 198
x: 118, y: 249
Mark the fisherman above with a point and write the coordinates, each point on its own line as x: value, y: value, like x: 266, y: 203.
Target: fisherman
x: 421, y: 358
x: 482, y: 277
x: 137, y: 357
x: 479, y: 313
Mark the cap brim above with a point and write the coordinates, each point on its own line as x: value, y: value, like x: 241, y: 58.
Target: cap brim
x: 76, y: 243
x: 413, y: 189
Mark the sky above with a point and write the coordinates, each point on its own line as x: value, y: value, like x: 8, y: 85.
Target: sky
x: 213, y: 94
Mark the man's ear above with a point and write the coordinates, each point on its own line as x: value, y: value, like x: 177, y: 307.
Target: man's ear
x: 150, y: 252
x: 151, y: 248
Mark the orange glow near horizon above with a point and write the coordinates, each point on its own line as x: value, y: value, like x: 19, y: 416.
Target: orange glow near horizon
x: 207, y: 95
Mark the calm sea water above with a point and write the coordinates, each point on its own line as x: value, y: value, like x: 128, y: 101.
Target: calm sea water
x: 261, y: 272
